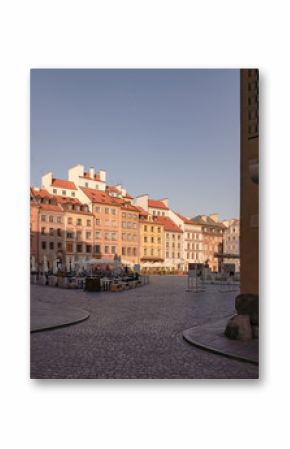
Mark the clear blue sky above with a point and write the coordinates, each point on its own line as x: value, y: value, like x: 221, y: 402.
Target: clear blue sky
x: 168, y: 133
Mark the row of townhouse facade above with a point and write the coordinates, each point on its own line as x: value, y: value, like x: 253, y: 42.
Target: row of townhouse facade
x: 82, y: 218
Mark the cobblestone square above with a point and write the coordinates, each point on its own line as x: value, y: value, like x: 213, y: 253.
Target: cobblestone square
x: 135, y: 334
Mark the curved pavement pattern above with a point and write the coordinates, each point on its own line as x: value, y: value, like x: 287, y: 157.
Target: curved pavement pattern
x: 46, y: 316
x: 135, y: 334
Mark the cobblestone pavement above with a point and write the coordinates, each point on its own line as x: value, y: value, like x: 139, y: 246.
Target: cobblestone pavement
x: 134, y: 334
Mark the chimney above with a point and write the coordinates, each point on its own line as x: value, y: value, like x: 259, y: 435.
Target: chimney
x: 91, y: 172
x: 214, y: 217
x: 46, y: 180
x: 102, y: 174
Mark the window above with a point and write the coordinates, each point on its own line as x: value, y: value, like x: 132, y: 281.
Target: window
x: 63, y: 192
x: 51, y: 231
x: 167, y: 236
x: 106, y: 236
x: 98, y: 209
x: 79, y: 248
x: 123, y: 214
x: 43, y: 245
x: 87, y: 184
x: 73, y: 194
x: 152, y: 252
x: 114, y: 223
x: 58, y: 219
x: 129, y: 237
x: 50, y: 219
x: 51, y: 245
x: 158, y: 230
x: 79, y: 235
x: 152, y: 228
x: 145, y: 251
x: 69, y: 220
x: 123, y: 251
x: 145, y: 239
x: 152, y: 239
x: 88, y: 235
x: 113, y: 211
x: 98, y: 221
x: 106, y: 250
x: 69, y: 235
x: 42, y: 231
x: 114, y: 236
x: 89, y: 223
x: 97, y: 236
x: 145, y: 228
x: 98, y: 249
x: 55, y: 191
x: 88, y: 248
x: 107, y: 210
x: 107, y: 222
x: 113, y: 249
x: 123, y: 224
x: 69, y: 247
x: 134, y: 237
x: 129, y: 224
x: 129, y: 252
x: 159, y: 240
x: 59, y: 245
x: 123, y: 236
x: 79, y: 222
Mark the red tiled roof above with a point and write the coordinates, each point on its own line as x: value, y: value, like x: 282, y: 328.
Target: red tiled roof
x: 42, y: 193
x: 169, y: 225
x: 51, y: 207
x: 157, y: 204
x: 63, y: 184
x: 66, y: 199
x: 128, y: 196
x: 185, y: 219
x: 130, y: 207
x: 113, y: 189
x: 101, y: 197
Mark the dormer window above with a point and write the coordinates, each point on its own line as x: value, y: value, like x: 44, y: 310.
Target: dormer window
x: 73, y: 194
x: 87, y: 184
x: 63, y: 192
x: 55, y: 191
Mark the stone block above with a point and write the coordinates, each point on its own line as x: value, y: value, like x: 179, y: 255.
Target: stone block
x: 248, y: 304
x: 239, y: 328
